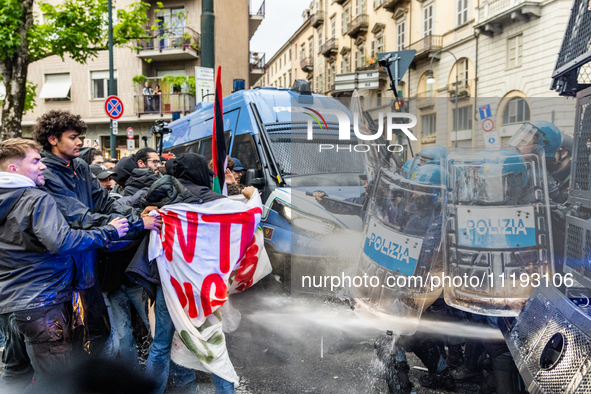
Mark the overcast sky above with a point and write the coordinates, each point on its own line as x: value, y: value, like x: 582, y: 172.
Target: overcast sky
x: 282, y: 19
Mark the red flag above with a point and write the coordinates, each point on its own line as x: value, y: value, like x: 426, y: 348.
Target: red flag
x: 218, y: 148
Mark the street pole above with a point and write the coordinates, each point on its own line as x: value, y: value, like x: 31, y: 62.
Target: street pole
x: 207, y: 34
x: 457, y: 72
x: 111, y: 77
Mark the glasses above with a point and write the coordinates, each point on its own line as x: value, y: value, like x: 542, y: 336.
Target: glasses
x: 154, y: 161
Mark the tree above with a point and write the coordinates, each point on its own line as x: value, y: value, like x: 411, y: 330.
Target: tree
x: 75, y: 28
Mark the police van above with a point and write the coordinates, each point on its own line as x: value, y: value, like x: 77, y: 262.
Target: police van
x: 272, y: 145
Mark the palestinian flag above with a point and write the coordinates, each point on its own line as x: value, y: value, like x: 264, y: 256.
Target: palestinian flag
x: 218, y: 149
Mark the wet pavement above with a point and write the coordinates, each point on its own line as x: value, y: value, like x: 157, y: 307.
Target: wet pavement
x: 279, y: 348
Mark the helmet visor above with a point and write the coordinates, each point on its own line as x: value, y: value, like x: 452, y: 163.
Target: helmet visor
x: 527, y: 139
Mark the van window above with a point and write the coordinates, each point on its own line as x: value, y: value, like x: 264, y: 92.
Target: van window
x: 206, y: 145
x: 245, y: 150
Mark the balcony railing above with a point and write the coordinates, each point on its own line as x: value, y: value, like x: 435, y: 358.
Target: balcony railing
x: 257, y: 61
x: 317, y: 18
x: 427, y: 44
x: 358, y: 25
x: 161, y: 104
x: 496, y: 10
x: 463, y: 88
x: 426, y: 100
x: 390, y: 5
x: 330, y: 47
x: 261, y: 10
x: 307, y: 64
x: 184, y: 38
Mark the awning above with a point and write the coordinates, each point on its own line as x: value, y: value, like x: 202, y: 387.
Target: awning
x: 56, y: 86
x: 2, y: 91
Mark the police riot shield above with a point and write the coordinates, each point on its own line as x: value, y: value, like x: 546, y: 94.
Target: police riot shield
x: 402, y: 241
x: 498, y: 244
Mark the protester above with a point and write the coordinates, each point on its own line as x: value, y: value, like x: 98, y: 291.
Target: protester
x: 85, y: 204
x: 190, y: 184
x: 238, y: 170
x: 103, y: 175
x: 36, y: 263
x: 147, y: 158
x: 563, y: 167
x: 91, y: 156
x: 110, y: 163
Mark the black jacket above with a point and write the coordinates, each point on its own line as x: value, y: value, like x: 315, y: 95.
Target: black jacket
x: 36, y: 267
x: 85, y: 204
x: 140, y: 178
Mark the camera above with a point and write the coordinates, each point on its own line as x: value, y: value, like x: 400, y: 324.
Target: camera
x: 160, y: 128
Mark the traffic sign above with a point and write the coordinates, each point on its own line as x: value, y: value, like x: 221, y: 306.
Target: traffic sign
x: 487, y: 125
x: 492, y: 140
x: 130, y: 144
x: 130, y: 133
x: 399, y: 105
x: 485, y: 112
x: 114, y: 107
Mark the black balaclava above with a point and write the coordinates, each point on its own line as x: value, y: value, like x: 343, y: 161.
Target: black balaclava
x: 123, y: 169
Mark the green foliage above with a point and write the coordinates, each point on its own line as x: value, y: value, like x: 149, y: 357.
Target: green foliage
x: 30, y: 103
x: 10, y: 21
x: 178, y: 81
x: 138, y: 79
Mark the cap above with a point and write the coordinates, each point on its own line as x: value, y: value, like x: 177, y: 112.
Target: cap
x: 100, y: 171
x: 238, y: 165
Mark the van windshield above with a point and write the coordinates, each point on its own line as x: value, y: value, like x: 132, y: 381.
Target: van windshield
x: 324, y: 154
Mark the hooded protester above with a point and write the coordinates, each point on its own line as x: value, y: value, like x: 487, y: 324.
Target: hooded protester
x: 37, y: 268
x: 189, y: 182
x: 91, y: 156
x: 85, y: 204
x: 140, y: 178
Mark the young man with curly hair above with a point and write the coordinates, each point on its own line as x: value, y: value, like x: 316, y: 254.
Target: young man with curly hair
x: 84, y: 203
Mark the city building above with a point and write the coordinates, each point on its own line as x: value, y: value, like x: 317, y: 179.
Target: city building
x: 166, y: 56
x: 502, y: 52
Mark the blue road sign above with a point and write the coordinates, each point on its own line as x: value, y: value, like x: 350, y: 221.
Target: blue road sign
x: 485, y: 112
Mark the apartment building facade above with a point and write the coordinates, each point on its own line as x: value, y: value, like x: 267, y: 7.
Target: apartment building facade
x: 166, y: 56
x: 502, y: 51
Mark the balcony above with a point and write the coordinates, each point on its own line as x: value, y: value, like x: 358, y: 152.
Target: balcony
x: 339, y: 1
x: 257, y: 67
x: 390, y: 5
x: 425, y: 100
x: 255, y: 20
x: 317, y: 19
x: 358, y: 25
x: 493, y: 14
x: 163, y: 104
x: 330, y: 47
x: 426, y: 47
x: 463, y: 89
x: 181, y: 43
x: 307, y: 64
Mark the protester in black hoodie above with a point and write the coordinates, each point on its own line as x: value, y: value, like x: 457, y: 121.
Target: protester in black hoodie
x: 36, y: 265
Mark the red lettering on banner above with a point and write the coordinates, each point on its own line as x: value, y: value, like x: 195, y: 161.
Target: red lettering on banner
x: 186, y: 296
x: 179, y: 291
x: 221, y: 293
x: 244, y: 275
x: 172, y: 225
x: 246, y: 219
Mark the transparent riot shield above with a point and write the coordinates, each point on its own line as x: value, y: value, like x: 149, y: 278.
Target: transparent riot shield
x: 402, y: 241
x: 498, y: 244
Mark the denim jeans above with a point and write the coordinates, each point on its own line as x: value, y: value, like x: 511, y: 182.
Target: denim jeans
x: 158, y: 364
x: 121, y: 302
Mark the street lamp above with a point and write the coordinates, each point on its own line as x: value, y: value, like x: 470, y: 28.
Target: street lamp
x: 431, y: 80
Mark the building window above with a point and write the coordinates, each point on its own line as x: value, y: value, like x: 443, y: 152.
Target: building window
x: 514, y: 51
x: 333, y: 26
x: 289, y: 53
x: 428, y: 125
x: 360, y: 7
x: 464, y: 118
x: 462, y: 11
x: 463, y: 73
x: 377, y: 45
x: 516, y: 111
x: 289, y: 76
x: 311, y: 48
x: 345, y: 64
x: 56, y: 87
x: 100, y: 84
x: 303, y: 51
x: 428, y: 20
x: 377, y: 3
x: 360, y: 56
x: 345, y: 19
x: 320, y: 39
x: 400, y: 30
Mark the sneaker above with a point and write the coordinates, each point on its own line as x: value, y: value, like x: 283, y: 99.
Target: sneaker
x: 440, y: 380
x: 463, y: 374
